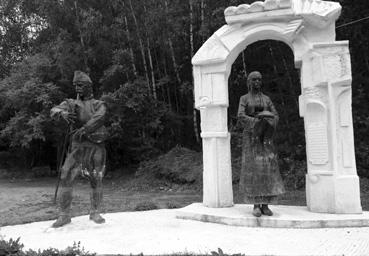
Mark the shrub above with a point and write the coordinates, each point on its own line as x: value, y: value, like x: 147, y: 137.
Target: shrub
x: 293, y: 173
x: 180, y: 165
x: 15, y: 248
x: 173, y: 205
x: 11, y: 247
x: 146, y: 206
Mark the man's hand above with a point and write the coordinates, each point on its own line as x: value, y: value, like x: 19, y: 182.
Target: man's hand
x: 68, y: 117
x: 79, y: 133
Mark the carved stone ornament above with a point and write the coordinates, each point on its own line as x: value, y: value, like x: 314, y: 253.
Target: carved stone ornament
x: 258, y: 6
x: 318, y: 13
x: 314, y: 93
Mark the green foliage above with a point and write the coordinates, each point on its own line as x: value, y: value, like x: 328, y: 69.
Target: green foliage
x: 173, y: 205
x: 11, y: 247
x: 74, y: 250
x: 135, y: 119
x: 293, y: 173
x: 179, y: 165
x: 28, y: 96
x: 15, y: 248
x: 138, y: 54
x: 146, y: 206
x: 221, y: 253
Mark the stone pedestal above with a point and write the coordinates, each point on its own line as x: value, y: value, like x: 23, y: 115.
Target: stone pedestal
x: 292, y: 217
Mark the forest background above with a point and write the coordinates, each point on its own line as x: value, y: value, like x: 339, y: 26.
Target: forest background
x: 138, y: 54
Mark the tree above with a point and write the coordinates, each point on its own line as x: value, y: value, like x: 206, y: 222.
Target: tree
x: 145, y: 47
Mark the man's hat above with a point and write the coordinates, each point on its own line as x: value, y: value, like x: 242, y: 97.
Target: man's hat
x: 80, y: 76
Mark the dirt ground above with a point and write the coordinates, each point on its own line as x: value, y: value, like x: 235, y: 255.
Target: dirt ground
x: 29, y: 200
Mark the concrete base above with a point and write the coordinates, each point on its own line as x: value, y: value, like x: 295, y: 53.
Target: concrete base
x: 284, y: 217
x: 333, y: 194
x: 159, y: 232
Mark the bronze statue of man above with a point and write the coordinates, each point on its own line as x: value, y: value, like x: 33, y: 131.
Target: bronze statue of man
x: 260, y: 180
x: 86, y: 154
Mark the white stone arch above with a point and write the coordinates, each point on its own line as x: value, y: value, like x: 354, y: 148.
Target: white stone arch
x: 308, y: 27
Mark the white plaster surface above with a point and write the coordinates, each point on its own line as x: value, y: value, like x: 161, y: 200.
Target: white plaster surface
x: 284, y: 217
x: 308, y: 27
x: 160, y: 232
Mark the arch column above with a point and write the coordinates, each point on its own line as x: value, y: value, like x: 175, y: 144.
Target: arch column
x: 217, y: 175
x: 332, y: 184
x: 213, y: 106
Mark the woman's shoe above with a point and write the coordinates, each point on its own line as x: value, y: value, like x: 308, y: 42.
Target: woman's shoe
x: 265, y: 210
x: 257, y: 211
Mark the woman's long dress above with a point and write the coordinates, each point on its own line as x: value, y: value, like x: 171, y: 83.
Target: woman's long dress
x: 260, y: 179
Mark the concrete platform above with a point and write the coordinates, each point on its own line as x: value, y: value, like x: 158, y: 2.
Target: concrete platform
x: 284, y: 217
x: 159, y: 232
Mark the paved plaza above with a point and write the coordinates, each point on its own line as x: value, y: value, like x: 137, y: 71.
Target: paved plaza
x: 159, y: 232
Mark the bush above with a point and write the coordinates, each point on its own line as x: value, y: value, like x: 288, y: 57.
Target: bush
x: 9, y: 159
x: 180, y: 165
x: 293, y: 173
x: 15, y: 248
x: 173, y: 205
x: 146, y: 206
x: 11, y: 247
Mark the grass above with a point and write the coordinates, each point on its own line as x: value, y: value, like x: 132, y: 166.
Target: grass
x: 30, y: 200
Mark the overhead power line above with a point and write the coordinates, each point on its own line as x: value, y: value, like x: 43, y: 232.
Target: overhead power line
x: 352, y: 22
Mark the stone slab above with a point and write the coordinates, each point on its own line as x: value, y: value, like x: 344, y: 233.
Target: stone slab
x: 159, y: 232
x: 284, y: 217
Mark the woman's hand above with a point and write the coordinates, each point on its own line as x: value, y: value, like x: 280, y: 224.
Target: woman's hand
x: 265, y: 114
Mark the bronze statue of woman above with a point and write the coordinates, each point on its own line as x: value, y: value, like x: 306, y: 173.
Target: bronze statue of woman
x: 260, y: 180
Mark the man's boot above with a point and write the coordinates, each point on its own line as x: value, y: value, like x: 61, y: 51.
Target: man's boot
x: 61, y: 221
x: 96, y: 199
x: 65, y: 204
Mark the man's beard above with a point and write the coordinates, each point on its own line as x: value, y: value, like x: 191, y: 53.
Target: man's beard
x: 82, y: 96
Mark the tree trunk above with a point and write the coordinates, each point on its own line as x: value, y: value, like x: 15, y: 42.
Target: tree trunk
x: 142, y: 50
x: 150, y: 57
x: 160, y: 74
x: 130, y: 48
x: 290, y: 139
x: 290, y: 83
x: 173, y: 57
x: 174, y: 62
x: 167, y: 87
x: 202, y: 8
x: 152, y: 69
x: 81, y: 38
x: 171, y: 49
x: 244, y: 63
x: 195, y: 127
